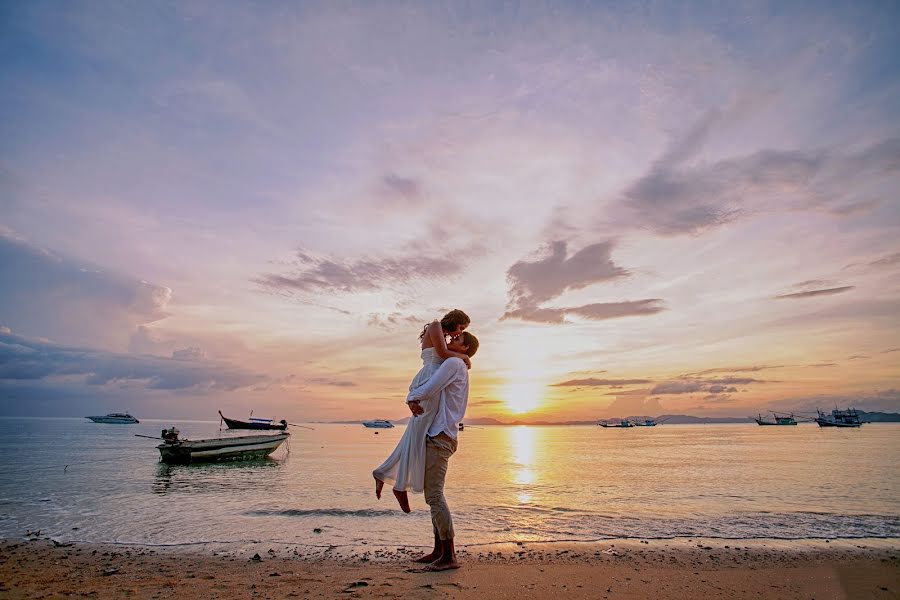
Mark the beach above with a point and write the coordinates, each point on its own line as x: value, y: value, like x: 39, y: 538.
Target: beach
x: 656, y: 569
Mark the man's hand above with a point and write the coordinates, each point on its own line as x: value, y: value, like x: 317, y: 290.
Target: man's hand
x: 415, y: 408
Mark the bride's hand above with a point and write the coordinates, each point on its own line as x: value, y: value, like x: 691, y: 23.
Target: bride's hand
x: 468, y: 362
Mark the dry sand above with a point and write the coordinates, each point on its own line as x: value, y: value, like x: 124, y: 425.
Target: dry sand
x: 652, y: 569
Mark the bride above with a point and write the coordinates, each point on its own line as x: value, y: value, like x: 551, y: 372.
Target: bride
x: 405, y: 467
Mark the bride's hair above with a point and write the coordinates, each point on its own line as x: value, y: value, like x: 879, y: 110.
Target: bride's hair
x: 450, y: 322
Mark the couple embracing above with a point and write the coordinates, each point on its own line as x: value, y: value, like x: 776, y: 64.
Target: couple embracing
x: 437, y: 400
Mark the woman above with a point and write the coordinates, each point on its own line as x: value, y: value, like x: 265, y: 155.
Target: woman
x: 405, y: 467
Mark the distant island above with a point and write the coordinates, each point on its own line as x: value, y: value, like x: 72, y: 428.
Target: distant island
x: 870, y: 417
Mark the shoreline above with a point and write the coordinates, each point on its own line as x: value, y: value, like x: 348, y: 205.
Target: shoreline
x: 868, y: 568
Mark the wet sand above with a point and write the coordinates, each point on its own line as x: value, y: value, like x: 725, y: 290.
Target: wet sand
x: 656, y: 569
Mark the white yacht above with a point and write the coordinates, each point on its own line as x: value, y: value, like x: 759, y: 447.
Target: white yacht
x: 118, y: 418
x: 378, y: 424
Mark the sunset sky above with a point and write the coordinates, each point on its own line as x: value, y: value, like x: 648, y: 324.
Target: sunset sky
x: 645, y: 209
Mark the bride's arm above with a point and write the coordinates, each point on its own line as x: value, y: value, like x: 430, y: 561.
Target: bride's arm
x: 436, y: 335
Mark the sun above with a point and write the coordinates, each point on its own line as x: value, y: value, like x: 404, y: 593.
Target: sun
x: 522, y: 396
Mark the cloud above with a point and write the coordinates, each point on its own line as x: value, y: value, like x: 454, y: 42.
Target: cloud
x: 744, y: 369
x: 674, y: 198
x: 330, y: 382
x: 190, y: 353
x: 887, y: 261
x: 679, y: 387
x: 533, y: 283
x: 599, y: 382
x: 399, y: 192
x: 391, y: 320
x: 23, y: 358
x: 814, y: 293
x: 47, y: 295
x: 595, y: 312
x: 813, y: 283
x: 317, y: 274
x: 715, y: 385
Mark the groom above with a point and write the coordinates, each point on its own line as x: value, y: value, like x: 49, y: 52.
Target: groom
x: 451, y: 382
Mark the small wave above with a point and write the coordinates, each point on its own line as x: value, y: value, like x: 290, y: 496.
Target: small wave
x: 319, y: 512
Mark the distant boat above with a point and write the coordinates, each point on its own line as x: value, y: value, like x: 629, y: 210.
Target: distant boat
x: 621, y: 424
x: 646, y: 423
x: 461, y: 426
x: 839, y: 418
x: 779, y: 419
x: 118, y: 418
x: 247, y: 447
x: 254, y: 423
x: 378, y: 424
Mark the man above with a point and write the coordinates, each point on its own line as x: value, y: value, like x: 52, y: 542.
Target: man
x: 451, y: 382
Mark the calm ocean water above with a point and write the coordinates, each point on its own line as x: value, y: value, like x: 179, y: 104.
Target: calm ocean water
x: 505, y: 484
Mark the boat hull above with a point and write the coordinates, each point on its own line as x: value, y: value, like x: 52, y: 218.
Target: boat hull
x: 114, y: 420
x: 824, y: 423
x: 237, y: 448
x: 378, y: 424
x: 235, y: 424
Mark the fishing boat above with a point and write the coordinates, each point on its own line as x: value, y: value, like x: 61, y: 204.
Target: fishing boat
x: 645, y: 423
x: 621, y: 424
x: 378, y: 424
x: 117, y: 418
x: 839, y: 418
x: 247, y: 447
x: 779, y: 419
x: 254, y: 423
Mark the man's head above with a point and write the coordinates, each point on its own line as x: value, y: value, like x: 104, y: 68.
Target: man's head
x: 465, y: 343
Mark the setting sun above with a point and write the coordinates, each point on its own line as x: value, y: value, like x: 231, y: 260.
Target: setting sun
x: 522, y: 396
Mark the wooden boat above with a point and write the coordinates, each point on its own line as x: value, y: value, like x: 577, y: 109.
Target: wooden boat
x: 118, y: 418
x: 621, y: 424
x: 378, y: 424
x: 254, y: 423
x: 839, y: 418
x: 779, y: 419
x: 246, y: 447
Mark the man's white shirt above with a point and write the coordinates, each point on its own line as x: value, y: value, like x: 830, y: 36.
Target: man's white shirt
x: 451, y: 381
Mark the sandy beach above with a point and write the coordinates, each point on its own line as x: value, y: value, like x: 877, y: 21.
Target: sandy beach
x: 42, y: 568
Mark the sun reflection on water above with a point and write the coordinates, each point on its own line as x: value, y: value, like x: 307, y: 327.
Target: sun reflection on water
x: 522, y: 445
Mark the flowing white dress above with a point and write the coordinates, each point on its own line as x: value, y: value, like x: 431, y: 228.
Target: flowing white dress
x: 405, y: 467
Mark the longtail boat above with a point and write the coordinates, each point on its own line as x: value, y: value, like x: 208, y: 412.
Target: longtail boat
x: 177, y: 451
x: 254, y: 423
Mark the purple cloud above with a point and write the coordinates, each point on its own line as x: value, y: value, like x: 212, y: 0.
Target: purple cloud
x: 814, y: 293
x: 533, y: 283
x: 314, y: 274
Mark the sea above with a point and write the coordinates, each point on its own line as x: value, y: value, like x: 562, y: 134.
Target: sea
x: 73, y: 480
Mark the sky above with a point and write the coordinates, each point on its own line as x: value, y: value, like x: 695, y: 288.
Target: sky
x: 645, y: 208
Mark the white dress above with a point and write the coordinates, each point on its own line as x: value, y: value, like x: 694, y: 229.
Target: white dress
x: 405, y: 467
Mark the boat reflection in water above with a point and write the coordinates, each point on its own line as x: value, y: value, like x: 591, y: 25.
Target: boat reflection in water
x: 219, y: 477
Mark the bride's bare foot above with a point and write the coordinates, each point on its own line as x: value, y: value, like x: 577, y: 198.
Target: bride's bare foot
x: 403, y: 499
x: 429, y: 558
x: 379, y: 484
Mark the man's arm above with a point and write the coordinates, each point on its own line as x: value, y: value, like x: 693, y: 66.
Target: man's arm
x: 447, y: 372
